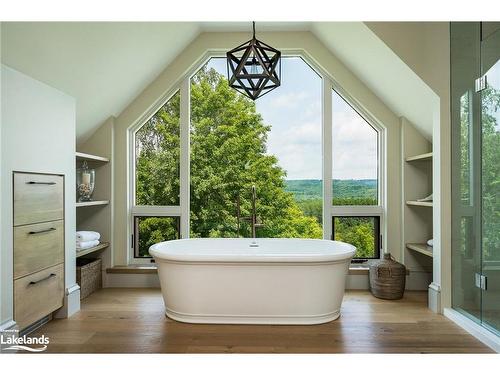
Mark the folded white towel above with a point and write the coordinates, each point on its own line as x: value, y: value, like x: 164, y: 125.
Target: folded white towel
x: 86, y: 244
x: 430, y: 242
x: 87, y: 235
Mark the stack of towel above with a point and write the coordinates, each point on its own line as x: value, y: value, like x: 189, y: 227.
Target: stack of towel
x: 86, y: 239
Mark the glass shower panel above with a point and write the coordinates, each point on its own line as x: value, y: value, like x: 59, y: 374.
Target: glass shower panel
x: 466, y: 257
x: 490, y: 179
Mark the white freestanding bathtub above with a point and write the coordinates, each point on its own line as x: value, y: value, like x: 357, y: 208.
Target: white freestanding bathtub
x: 247, y: 281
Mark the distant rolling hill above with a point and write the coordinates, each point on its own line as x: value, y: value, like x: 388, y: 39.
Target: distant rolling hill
x: 312, y: 189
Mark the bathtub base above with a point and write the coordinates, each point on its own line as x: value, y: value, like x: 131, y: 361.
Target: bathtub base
x: 252, y: 319
x: 279, y: 281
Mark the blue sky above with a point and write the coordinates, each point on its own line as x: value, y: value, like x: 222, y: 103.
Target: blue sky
x: 294, y: 112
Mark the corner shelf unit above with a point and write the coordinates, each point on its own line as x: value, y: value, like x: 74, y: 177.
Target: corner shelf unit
x: 101, y: 246
x: 417, y: 216
x: 96, y: 215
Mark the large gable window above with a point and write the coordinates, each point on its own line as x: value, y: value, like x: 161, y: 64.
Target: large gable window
x: 196, y: 158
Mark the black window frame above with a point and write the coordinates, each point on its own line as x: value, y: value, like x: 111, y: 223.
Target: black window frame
x: 135, y: 235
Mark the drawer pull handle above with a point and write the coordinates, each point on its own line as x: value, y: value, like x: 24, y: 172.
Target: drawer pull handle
x: 42, y: 231
x: 40, y: 183
x: 45, y: 278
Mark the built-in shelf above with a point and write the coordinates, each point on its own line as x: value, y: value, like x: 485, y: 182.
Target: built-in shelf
x: 421, y: 248
x: 418, y: 203
x: 91, y: 203
x: 89, y: 157
x: 421, y: 157
x: 101, y: 246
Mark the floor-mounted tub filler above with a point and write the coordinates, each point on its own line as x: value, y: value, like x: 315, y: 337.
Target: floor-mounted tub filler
x: 253, y: 281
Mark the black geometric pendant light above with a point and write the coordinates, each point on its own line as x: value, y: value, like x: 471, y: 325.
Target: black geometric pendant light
x: 254, y: 68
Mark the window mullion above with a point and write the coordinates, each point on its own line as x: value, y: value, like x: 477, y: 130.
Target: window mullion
x: 184, y: 156
x: 327, y: 158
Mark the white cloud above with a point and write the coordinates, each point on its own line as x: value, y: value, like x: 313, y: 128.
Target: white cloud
x: 288, y: 100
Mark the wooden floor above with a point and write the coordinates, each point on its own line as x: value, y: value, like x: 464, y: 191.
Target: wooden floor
x: 133, y: 321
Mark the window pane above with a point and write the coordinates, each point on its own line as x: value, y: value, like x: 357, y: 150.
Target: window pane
x: 355, y: 156
x: 157, y: 156
x: 273, y: 143
x: 359, y: 231
x: 149, y: 230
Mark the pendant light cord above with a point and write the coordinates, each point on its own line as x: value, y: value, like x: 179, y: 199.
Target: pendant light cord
x: 253, y: 22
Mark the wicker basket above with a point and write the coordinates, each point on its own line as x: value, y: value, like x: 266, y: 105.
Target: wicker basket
x: 88, y: 276
x: 387, y: 278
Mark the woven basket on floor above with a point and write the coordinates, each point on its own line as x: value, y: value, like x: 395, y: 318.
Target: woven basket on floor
x: 387, y: 278
x: 88, y: 276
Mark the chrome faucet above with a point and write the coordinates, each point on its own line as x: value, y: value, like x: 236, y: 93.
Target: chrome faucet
x: 253, y: 219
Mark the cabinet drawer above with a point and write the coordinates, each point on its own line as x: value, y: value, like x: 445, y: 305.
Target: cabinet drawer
x: 38, y: 246
x: 38, y: 295
x: 37, y: 198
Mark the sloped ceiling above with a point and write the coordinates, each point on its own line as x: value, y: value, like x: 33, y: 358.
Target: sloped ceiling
x: 103, y: 65
x: 381, y: 70
x: 106, y: 65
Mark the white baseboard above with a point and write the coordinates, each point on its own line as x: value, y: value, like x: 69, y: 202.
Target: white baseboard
x: 353, y: 282
x: 418, y: 280
x: 357, y: 282
x: 482, y: 334
x: 120, y: 280
x: 71, y: 302
x: 434, y: 298
x: 414, y: 281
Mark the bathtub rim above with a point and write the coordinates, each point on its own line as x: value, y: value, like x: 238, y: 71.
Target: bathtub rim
x: 345, y: 254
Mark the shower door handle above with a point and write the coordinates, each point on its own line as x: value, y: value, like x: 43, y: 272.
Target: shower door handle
x: 481, y: 281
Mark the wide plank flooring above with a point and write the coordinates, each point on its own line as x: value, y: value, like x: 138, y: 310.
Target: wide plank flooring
x: 133, y: 321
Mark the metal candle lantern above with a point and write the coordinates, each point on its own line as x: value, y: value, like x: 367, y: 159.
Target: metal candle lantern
x: 85, y: 183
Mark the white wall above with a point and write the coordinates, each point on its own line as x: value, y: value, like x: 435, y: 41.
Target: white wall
x: 1, y: 174
x: 37, y: 135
